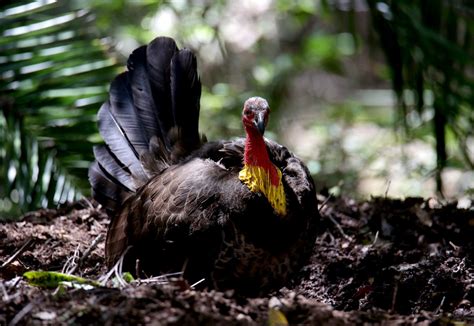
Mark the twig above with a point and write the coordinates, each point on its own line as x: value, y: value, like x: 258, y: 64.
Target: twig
x: 6, y: 297
x: 161, y: 279
x: 389, y: 182
x: 21, y: 314
x: 440, y: 305
x: 376, y: 238
x: 137, y: 268
x: 17, y: 254
x: 197, y: 283
x: 87, y: 252
x: 339, y: 227
x: 185, y: 264
x: 333, y: 220
x: 88, y: 202
x: 454, y: 246
x: 394, y: 296
x: 71, y: 261
x: 326, y: 201
x: 91, y: 247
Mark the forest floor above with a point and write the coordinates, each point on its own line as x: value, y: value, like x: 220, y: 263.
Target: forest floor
x: 382, y: 261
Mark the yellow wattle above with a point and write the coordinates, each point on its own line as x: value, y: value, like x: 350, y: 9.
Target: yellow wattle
x: 257, y: 179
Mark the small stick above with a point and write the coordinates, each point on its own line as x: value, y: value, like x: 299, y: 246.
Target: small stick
x: 440, y: 306
x: 137, y: 268
x: 333, y: 220
x: 197, y: 283
x: 326, y: 201
x: 91, y: 247
x: 71, y: 264
x: 88, y: 202
x: 394, y: 297
x: 16, y: 254
x: 162, y: 276
x: 160, y: 279
x: 86, y: 253
x: 388, y: 187
x: 338, y: 226
x: 376, y: 238
x: 6, y: 297
x: 21, y: 314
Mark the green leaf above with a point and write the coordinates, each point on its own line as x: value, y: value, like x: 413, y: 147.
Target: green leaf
x: 54, y: 279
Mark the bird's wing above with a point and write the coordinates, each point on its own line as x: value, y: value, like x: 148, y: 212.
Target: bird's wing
x: 182, y: 202
x: 295, y: 174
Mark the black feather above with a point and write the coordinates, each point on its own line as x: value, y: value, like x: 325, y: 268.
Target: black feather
x: 185, y: 95
x: 109, y: 162
x: 119, y: 143
x: 159, y: 53
x: 125, y: 113
x: 104, y: 190
x: 142, y: 93
x: 167, y: 190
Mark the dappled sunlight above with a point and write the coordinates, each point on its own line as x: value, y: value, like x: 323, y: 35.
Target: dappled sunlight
x: 363, y: 125
x: 378, y: 160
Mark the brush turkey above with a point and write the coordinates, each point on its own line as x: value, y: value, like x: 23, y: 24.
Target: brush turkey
x: 241, y: 214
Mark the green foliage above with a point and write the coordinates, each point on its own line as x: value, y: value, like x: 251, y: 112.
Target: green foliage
x: 56, y: 64
x: 430, y: 51
x: 46, y: 279
x: 54, y: 75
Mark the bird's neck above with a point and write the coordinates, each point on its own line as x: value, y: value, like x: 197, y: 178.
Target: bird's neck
x: 260, y: 174
x: 256, y: 154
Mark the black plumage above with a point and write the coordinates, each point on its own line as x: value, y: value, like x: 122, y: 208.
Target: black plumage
x: 176, y: 200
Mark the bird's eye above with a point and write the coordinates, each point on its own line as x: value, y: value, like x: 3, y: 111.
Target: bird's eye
x: 247, y: 112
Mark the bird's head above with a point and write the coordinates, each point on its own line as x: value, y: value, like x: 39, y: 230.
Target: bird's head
x: 255, y: 115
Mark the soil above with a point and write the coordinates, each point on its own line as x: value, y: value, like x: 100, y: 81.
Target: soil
x: 382, y: 261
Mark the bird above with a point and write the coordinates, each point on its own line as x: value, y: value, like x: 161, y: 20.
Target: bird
x: 238, y: 214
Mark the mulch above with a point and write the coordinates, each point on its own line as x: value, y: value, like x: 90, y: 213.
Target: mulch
x: 381, y: 261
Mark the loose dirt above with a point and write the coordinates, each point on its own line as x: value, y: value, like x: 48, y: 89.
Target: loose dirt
x: 382, y: 261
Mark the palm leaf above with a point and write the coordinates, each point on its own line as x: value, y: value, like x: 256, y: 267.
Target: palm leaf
x: 54, y: 73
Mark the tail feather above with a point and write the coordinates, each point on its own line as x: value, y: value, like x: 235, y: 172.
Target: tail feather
x: 124, y: 111
x: 186, y: 94
x: 119, y: 142
x: 109, y: 162
x: 105, y: 189
x: 142, y: 93
x: 149, y: 122
x: 159, y: 54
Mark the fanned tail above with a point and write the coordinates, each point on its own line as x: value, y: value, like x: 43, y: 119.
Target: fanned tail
x: 149, y: 122
x: 185, y: 96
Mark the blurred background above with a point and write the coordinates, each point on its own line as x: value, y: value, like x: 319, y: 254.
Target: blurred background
x: 376, y: 96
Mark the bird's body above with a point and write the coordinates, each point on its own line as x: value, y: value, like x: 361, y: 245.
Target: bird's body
x: 240, y: 214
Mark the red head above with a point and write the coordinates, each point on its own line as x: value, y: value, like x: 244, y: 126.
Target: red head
x: 255, y: 115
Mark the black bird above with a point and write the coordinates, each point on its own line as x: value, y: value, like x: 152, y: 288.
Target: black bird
x: 241, y: 214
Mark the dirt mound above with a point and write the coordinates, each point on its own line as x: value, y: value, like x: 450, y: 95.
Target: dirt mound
x: 380, y: 261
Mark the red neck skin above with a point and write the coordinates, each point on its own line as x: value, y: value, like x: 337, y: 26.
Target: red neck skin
x: 256, y: 154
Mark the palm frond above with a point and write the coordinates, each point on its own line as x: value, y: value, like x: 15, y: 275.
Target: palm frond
x: 54, y: 73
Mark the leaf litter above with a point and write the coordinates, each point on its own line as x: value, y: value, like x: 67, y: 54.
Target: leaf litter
x: 380, y: 261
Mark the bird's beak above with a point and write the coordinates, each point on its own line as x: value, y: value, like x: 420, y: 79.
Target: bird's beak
x: 260, y: 122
